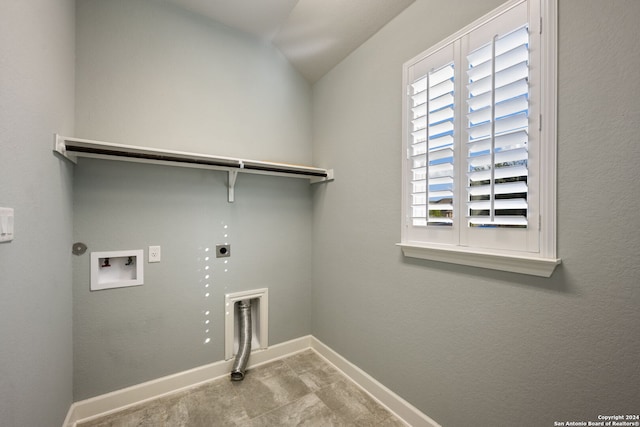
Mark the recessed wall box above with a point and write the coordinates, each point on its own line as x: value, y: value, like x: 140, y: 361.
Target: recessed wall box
x: 6, y: 224
x: 259, y: 320
x: 116, y: 269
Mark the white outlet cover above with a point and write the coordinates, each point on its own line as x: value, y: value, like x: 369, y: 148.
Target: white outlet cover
x: 154, y: 254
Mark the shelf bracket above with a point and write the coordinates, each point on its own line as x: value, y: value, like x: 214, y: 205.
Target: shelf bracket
x: 233, y: 175
x: 328, y: 178
x: 60, y: 147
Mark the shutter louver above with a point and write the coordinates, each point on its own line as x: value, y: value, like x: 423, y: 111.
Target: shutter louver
x: 498, y: 120
x: 431, y: 148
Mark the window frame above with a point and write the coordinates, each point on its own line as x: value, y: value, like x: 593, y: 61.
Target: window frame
x: 543, y: 20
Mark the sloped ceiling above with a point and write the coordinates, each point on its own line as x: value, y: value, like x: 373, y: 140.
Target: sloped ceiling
x: 314, y: 35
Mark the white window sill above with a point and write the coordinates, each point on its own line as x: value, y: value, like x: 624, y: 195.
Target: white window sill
x: 542, y: 267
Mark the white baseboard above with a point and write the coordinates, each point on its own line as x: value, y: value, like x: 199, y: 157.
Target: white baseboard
x: 387, y: 398
x: 124, y: 398
x: 121, y: 399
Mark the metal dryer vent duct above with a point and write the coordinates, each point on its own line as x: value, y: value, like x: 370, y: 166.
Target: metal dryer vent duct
x: 244, y: 347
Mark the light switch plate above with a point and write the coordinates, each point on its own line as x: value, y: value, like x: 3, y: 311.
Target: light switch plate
x: 6, y: 224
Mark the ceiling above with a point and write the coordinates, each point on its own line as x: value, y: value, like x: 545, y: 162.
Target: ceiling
x: 314, y: 35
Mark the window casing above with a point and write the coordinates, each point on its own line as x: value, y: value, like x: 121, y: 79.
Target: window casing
x: 480, y: 143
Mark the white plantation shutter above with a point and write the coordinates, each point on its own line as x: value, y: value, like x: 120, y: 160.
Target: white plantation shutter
x: 497, y: 128
x: 431, y: 148
x: 479, y: 172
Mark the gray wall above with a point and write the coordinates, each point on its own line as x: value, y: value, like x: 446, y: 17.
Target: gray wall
x: 150, y: 74
x: 470, y: 346
x: 36, y: 100
x: 466, y: 346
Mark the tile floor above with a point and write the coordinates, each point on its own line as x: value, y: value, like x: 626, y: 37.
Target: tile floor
x: 300, y: 390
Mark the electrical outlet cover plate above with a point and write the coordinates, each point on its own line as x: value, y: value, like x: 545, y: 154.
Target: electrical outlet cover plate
x: 154, y: 253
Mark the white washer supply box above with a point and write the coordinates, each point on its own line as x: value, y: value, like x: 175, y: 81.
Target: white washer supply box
x: 6, y: 224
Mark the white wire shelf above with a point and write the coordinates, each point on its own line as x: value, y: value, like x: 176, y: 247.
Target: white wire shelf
x: 73, y: 148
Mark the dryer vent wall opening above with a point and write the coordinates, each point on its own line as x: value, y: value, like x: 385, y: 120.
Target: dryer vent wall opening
x: 259, y: 300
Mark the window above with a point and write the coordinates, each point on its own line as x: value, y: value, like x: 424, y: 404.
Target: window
x: 480, y: 144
